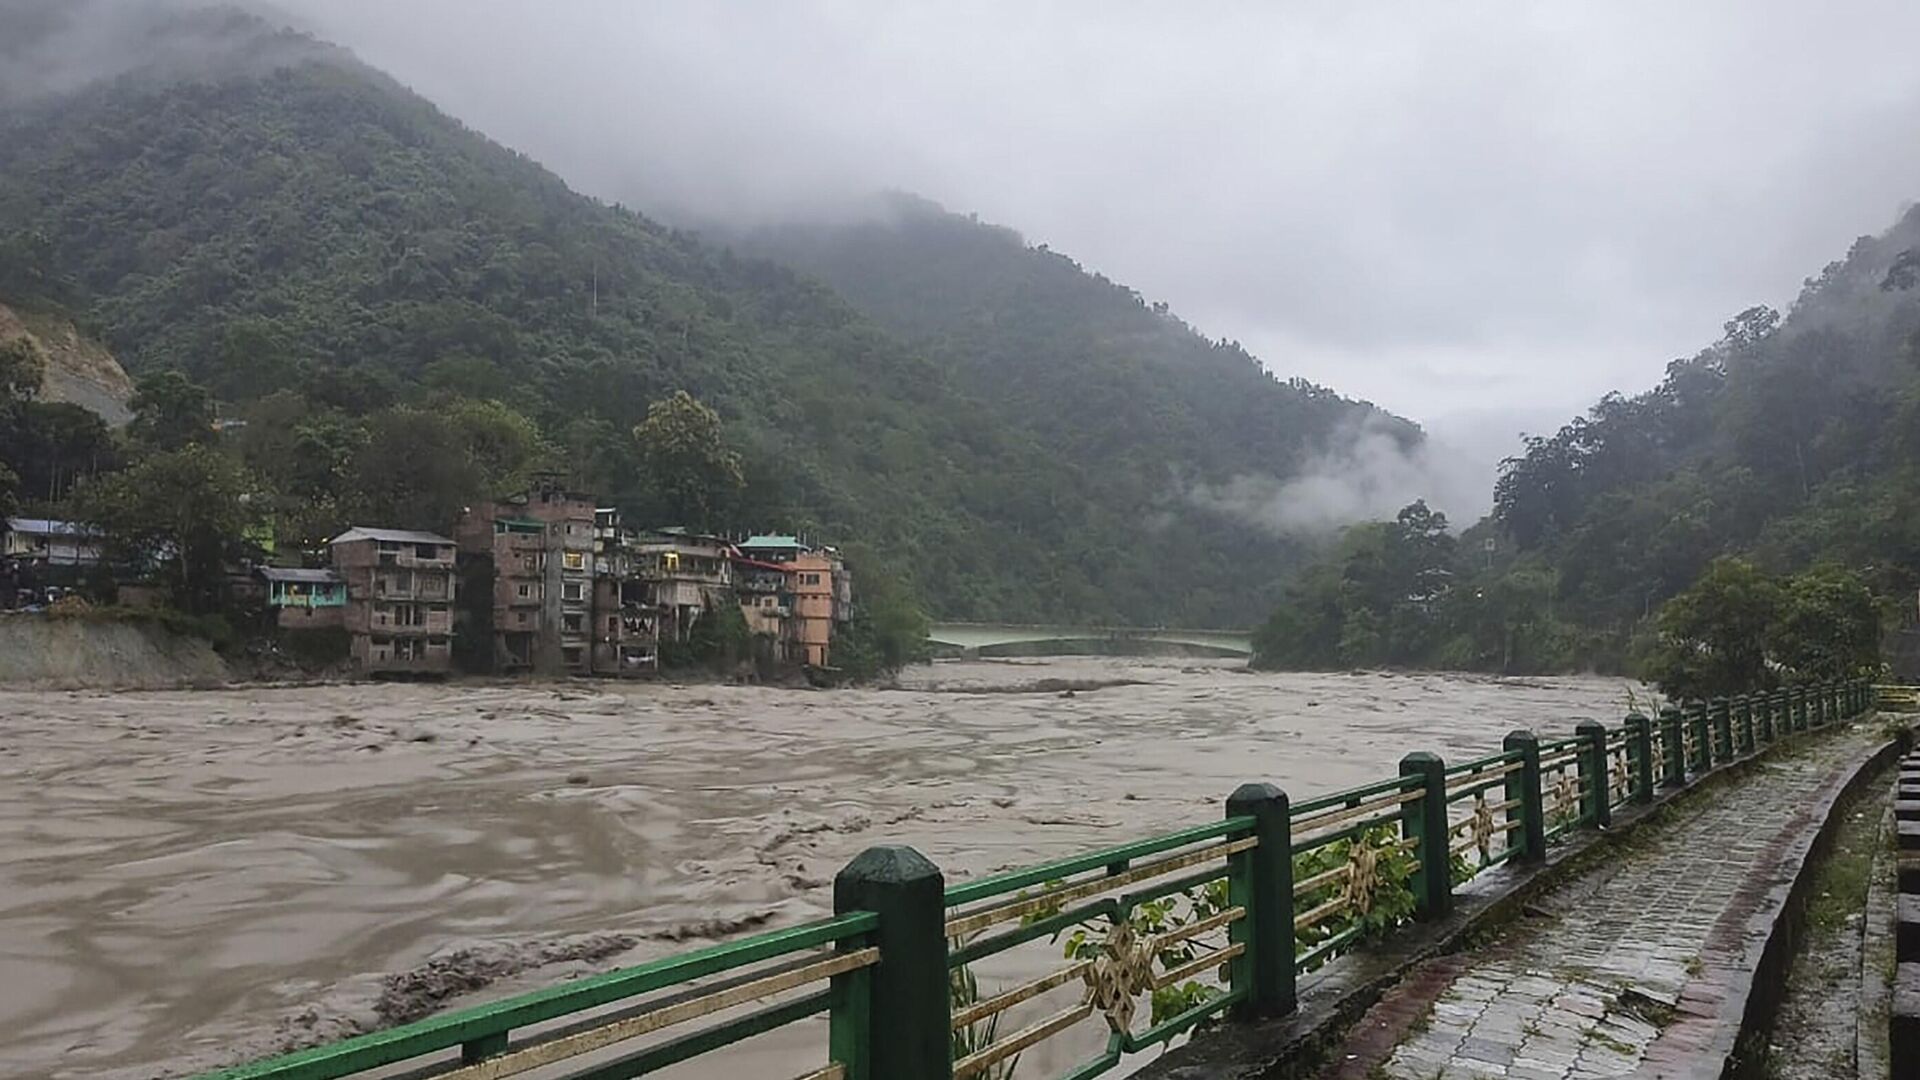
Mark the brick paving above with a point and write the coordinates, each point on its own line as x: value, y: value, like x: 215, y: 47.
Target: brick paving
x: 1625, y: 970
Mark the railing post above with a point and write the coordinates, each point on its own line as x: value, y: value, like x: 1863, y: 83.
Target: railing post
x: 1799, y: 708
x: 908, y: 1018
x: 1763, y: 706
x: 1743, y: 716
x: 1640, y: 731
x: 1782, y: 713
x: 1425, y: 821
x: 1700, y: 731
x: 1833, y: 701
x: 1722, y: 731
x: 1523, y: 787
x: 1593, y: 770
x: 1673, y: 746
x: 1261, y: 881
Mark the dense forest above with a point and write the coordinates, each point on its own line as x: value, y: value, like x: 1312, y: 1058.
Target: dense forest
x: 1781, y: 464
x: 406, y: 316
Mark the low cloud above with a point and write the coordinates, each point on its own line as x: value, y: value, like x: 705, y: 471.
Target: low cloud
x: 1366, y: 474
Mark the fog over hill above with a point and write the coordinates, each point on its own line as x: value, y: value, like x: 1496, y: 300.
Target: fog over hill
x: 1439, y: 208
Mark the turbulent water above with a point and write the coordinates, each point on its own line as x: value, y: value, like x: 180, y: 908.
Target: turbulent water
x: 190, y: 878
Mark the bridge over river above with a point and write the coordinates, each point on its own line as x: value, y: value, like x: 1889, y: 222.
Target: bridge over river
x: 985, y: 638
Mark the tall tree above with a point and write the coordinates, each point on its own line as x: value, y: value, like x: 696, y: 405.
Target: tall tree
x: 1712, y: 637
x: 183, y: 510
x: 171, y: 411
x: 684, y: 453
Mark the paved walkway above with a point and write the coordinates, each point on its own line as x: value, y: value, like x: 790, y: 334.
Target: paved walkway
x: 1626, y: 970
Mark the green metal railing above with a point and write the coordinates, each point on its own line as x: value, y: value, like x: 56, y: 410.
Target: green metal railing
x: 1220, y: 919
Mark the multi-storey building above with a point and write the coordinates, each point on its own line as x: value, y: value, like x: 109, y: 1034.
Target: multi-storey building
x: 765, y: 592
x: 536, y: 550
x: 819, y: 591
x: 685, y: 573
x: 400, y: 594
x: 626, y: 622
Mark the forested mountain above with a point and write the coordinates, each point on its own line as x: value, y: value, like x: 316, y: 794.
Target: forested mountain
x: 1791, y: 445
x: 1134, y: 401
x: 1047, y: 343
x: 1793, y: 439
x: 362, y: 278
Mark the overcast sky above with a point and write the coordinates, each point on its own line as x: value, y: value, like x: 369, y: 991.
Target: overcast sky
x: 1452, y: 209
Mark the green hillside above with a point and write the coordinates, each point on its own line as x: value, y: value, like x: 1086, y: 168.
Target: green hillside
x: 1793, y: 443
x: 1792, y: 440
x: 335, y: 258
x: 1047, y: 344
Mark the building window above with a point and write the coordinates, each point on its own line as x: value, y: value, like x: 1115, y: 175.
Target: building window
x: 572, y: 624
x: 523, y: 618
x: 573, y: 560
x: 569, y: 590
x: 525, y: 591
x: 613, y: 625
x: 571, y: 654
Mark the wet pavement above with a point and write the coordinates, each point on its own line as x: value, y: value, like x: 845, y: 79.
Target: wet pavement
x: 1628, y: 969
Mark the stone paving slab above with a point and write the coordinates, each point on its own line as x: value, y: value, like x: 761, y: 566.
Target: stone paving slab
x: 1632, y: 969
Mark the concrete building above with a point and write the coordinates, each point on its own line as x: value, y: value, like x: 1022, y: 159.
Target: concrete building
x: 817, y: 609
x: 536, y: 551
x: 765, y: 592
x: 686, y: 574
x: 49, y: 543
x: 401, y: 590
x: 820, y: 592
x: 626, y: 621
x: 305, y: 599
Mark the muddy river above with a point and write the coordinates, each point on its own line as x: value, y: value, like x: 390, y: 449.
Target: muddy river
x: 196, y: 877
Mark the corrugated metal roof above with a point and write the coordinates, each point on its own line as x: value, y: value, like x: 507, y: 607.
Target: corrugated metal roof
x: 310, y: 577
x: 47, y: 527
x: 398, y: 536
x: 772, y: 541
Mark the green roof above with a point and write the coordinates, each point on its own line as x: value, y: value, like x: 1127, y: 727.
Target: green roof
x: 772, y: 541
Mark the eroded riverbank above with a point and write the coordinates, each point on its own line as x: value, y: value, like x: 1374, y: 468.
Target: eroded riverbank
x: 194, y: 876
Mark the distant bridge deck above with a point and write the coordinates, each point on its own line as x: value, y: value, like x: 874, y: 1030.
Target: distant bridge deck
x: 974, y: 637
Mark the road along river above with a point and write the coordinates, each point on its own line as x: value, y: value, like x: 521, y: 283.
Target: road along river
x: 189, y: 878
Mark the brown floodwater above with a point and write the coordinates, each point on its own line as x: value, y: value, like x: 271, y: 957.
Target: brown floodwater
x: 192, y: 878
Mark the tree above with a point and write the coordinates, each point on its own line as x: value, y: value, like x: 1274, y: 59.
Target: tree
x: 1379, y: 598
x: 184, y: 510
x: 1712, y: 638
x: 888, y: 630
x: 1828, y: 627
x: 685, y: 456
x: 21, y: 368
x: 504, y: 446
x: 411, y: 471
x: 171, y: 411
x: 9, y: 495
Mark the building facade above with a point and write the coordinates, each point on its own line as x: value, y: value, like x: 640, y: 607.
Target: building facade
x: 685, y: 575
x: 401, y: 586
x: 818, y: 593
x: 626, y: 621
x: 305, y: 599
x: 49, y: 543
x: 537, y: 553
